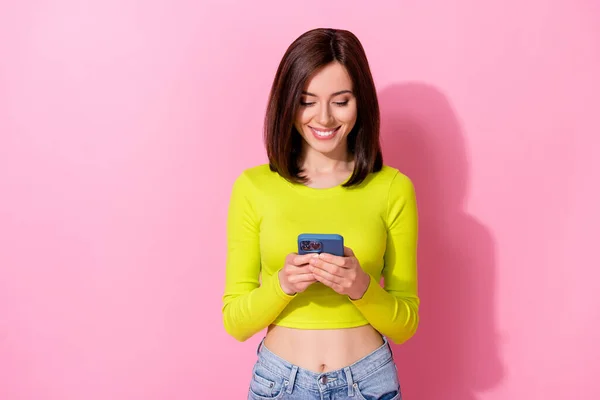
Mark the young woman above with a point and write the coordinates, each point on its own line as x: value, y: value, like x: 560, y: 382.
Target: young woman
x: 328, y: 317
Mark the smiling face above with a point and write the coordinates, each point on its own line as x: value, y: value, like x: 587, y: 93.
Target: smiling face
x: 327, y: 112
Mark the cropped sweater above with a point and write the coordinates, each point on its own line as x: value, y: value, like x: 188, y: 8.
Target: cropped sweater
x: 378, y: 220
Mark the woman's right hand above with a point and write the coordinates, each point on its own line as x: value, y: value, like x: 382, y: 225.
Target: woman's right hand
x: 295, y: 275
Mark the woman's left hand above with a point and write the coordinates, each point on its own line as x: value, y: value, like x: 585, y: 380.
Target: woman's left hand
x: 342, y: 274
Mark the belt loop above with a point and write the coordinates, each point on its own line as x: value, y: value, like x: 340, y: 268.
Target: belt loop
x: 290, y: 385
x: 350, y: 381
x: 390, y: 349
x: 386, y: 341
x: 259, y: 346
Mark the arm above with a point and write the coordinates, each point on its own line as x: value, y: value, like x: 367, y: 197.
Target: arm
x: 394, y: 309
x: 247, y: 307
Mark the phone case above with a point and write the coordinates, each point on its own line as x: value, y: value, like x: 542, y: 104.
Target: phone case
x: 321, y: 243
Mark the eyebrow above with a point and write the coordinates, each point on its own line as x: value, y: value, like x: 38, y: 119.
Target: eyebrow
x: 333, y: 95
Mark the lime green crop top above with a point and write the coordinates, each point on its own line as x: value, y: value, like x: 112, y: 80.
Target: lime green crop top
x: 378, y: 220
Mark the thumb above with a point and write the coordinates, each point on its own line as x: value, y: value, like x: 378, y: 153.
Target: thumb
x: 348, y: 252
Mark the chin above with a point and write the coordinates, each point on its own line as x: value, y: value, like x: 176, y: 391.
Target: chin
x: 324, y: 147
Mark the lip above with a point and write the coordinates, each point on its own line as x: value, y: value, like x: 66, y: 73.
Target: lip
x: 334, y: 130
x: 324, y: 129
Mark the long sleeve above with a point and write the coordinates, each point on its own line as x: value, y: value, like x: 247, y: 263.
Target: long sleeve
x: 394, y: 308
x: 248, y: 307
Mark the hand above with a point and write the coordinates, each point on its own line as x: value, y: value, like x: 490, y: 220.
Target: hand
x: 342, y: 274
x: 295, y: 276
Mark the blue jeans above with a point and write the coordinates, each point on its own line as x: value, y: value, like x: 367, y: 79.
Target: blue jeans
x: 374, y: 377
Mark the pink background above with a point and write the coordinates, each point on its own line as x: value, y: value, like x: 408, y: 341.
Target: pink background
x: 123, y: 124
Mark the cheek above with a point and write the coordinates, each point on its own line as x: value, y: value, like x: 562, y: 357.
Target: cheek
x: 346, y: 115
x: 303, y: 117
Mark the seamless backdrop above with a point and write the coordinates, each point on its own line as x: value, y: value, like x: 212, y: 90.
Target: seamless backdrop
x: 124, y: 123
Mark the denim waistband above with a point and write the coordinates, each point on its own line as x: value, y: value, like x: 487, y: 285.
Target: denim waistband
x: 326, y: 380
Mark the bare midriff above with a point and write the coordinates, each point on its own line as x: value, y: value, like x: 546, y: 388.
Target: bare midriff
x: 322, y: 350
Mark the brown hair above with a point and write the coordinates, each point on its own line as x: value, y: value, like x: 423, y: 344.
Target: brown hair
x: 307, y: 54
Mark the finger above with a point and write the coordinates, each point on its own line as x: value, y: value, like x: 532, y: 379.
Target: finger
x: 327, y: 275
x: 325, y: 266
x: 336, y: 260
x: 289, y: 259
x: 308, y: 277
x: 303, y: 258
x: 348, y: 252
x: 338, y: 288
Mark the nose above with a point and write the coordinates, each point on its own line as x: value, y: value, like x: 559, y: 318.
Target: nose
x: 324, y: 116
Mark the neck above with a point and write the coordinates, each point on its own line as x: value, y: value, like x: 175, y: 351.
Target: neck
x: 314, y: 161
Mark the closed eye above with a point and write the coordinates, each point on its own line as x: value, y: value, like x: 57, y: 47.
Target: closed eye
x: 337, y: 103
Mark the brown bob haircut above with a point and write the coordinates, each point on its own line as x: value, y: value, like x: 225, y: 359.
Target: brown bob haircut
x: 305, y: 56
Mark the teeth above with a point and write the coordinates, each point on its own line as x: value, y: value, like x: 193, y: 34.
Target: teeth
x: 324, y: 134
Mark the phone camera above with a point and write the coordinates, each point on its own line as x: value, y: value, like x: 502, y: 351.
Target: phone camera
x: 311, y: 245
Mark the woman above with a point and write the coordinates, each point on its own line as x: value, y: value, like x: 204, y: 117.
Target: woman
x: 328, y: 317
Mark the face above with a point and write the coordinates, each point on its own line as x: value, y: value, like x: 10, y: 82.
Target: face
x: 327, y: 110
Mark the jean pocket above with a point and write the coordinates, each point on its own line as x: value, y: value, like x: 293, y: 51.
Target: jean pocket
x: 265, y: 384
x: 382, y: 384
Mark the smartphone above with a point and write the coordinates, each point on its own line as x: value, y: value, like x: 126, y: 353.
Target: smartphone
x: 321, y: 243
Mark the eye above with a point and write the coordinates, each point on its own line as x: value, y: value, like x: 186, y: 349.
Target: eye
x: 305, y: 104
x: 341, y: 103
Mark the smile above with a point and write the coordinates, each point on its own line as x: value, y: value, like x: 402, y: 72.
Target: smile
x: 324, y: 133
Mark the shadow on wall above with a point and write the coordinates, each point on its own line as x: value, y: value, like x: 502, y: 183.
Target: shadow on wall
x: 454, y: 354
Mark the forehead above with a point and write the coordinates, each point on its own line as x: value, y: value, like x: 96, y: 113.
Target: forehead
x: 330, y: 79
